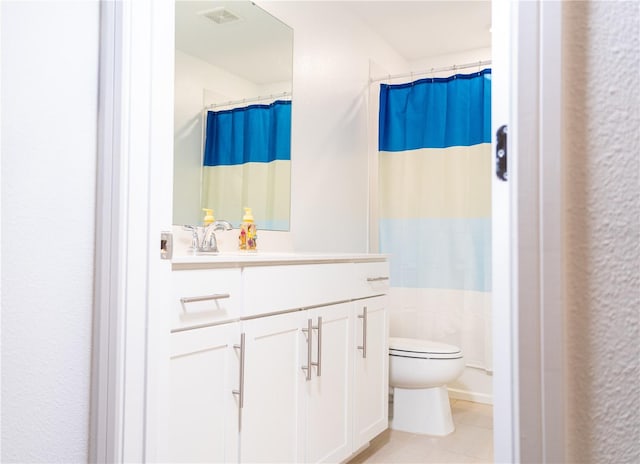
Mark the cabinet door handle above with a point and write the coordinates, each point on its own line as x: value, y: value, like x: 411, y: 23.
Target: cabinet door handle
x: 363, y: 347
x: 376, y: 279
x: 192, y: 299
x: 309, y: 332
x: 319, y: 363
x: 240, y: 390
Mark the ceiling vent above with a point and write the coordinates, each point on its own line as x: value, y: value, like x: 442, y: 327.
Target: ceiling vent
x: 220, y: 15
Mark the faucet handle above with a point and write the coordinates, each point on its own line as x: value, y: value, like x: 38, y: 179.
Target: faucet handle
x: 195, y: 239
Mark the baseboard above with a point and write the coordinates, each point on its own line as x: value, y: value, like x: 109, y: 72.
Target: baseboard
x: 466, y: 395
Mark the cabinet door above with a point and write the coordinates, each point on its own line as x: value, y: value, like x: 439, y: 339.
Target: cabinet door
x: 273, y: 384
x: 203, y: 417
x: 371, y: 370
x: 328, y: 417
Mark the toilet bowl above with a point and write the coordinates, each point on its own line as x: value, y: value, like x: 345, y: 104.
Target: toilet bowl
x: 419, y: 371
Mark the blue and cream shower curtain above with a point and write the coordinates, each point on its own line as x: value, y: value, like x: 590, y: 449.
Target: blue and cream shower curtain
x: 435, y: 208
x: 247, y: 162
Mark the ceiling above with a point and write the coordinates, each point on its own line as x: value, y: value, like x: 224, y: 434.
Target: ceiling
x: 415, y: 29
x: 419, y: 29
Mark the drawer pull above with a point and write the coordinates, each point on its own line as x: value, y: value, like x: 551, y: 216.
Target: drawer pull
x: 215, y: 296
x: 240, y: 390
x: 319, y: 363
x: 363, y: 347
x: 309, y: 332
x: 376, y: 279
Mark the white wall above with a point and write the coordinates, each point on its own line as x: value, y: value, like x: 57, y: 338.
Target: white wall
x: 49, y: 115
x: 602, y: 223
x: 329, y: 207
x: 450, y: 59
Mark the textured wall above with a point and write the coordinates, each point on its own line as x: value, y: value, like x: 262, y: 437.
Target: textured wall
x: 49, y: 113
x: 602, y: 146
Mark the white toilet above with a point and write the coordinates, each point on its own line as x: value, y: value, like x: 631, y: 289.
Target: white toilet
x: 419, y: 371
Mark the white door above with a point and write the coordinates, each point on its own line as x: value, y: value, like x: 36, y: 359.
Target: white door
x: 328, y: 391
x: 203, y: 412
x: 371, y: 367
x: 502, y: 318
x: 270, y: 427
x: 528, y: 331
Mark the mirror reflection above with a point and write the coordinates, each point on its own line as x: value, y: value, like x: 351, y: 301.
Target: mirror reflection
x: 232, y: 120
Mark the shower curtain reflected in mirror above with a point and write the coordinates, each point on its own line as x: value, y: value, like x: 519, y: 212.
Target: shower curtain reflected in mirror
x: 435, y: 209
x: 248, y: 152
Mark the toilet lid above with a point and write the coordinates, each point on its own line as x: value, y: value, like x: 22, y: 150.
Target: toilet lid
x: 417, y: 348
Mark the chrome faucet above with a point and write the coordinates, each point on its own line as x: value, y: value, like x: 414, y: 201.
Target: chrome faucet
x: 209, y: 242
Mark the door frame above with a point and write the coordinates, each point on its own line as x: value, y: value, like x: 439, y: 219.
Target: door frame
x: 130, y: 359
x: 130, y: 355
x: 537, y: 304
x: 528, y: 335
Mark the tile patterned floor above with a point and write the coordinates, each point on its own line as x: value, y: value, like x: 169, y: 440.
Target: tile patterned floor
x: 472, y: 441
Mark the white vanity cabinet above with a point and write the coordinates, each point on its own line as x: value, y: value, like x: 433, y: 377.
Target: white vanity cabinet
x: 206, y: 296
x: 298, y: 375
x: 328, y: 391
x: 371, y: 368
x: 291, y: 413
x: 203, y: 414
x: 270, y: 417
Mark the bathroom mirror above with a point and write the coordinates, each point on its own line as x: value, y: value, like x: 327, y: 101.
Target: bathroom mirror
x: 235, y: 60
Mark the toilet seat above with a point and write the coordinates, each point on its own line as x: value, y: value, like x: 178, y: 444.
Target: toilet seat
x: 422, y: 349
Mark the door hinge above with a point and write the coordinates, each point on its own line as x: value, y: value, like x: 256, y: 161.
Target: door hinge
x: 166, y: 245
x: 501, y: 153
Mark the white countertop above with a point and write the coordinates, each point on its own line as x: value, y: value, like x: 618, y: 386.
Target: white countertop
x: 266, y: 258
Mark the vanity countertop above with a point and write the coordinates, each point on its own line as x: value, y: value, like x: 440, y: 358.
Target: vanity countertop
x: 260, y: 258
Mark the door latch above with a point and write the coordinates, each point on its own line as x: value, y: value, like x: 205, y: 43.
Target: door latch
x: 501, y: 153
x: 166, y: 245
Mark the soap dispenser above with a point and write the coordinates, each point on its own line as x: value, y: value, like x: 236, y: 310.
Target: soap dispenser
x: 208, y: 217
x: 248, y: 233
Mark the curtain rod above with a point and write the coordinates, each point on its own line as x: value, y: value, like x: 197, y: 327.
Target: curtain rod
x: 249, y: 100
x: 431, y: 71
